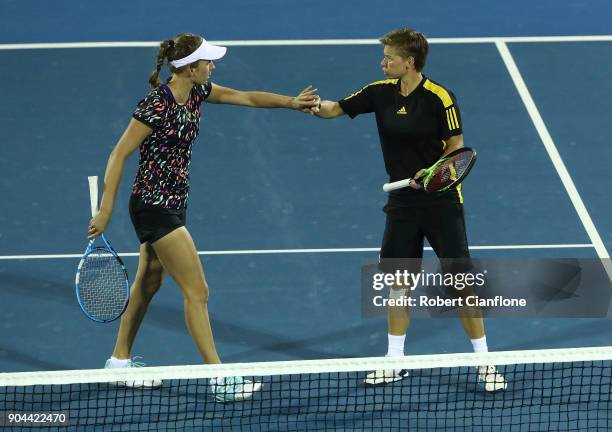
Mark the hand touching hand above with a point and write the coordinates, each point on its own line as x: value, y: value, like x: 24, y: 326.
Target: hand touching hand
x: 306, y: 101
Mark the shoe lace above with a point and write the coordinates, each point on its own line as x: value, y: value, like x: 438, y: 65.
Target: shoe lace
x: 490, y: 374
x: 134, y: 363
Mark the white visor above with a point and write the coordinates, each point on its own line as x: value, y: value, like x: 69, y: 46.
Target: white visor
x: 205, y: 51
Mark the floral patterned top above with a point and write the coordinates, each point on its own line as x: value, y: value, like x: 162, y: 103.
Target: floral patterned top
x: 163, y: 170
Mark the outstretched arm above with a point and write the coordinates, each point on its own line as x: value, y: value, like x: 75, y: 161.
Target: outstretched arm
x: 328, y: 109
x: 134, y: 135
x: 304, y: 101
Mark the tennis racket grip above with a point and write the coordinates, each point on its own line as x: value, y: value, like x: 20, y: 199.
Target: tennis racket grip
x: 388, y: 187
x: 93, y: 194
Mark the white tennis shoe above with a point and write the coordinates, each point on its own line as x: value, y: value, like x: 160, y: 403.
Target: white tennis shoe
x: 233, y: 389
x: 385, y: 376
x: 146, y: 384
x: 491, y: 378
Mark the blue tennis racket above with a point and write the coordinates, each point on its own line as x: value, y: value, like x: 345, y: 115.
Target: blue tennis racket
x: 102, y: 284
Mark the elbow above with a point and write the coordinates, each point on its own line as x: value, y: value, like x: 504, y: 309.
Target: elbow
x: 114, y: 155
x: 117, y: 156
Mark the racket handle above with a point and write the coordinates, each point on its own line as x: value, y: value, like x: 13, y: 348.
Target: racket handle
x: 388, y: 187
x: 93, y: 194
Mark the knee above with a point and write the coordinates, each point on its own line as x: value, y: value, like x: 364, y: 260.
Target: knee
x: 197, y: 293
x: 151, y: 278
x: 152, y: 284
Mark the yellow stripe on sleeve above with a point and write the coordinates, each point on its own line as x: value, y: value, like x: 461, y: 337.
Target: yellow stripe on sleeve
x: 455, y: 117
x: 439, y: 91
x: 451, y: 118
x: 387, y: 81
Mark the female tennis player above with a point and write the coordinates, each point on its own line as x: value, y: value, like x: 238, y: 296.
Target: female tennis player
x: 418, y: 122
x: 164, y: 126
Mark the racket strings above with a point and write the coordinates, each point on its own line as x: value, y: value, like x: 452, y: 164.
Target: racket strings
x: 102, y: 285
x: 448, y: 172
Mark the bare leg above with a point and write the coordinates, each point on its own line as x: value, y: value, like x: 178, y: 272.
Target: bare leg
x: 398, y: 320
x: 470, y: 316
x: 471, y: 319
x: 398, y: 317
x: 177, y: 253
x: 147, y: 282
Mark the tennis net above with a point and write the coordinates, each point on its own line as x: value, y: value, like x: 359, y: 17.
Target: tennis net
x: 547, y: 390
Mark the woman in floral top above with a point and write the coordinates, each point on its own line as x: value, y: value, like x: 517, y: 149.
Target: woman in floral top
x: 164, y: 126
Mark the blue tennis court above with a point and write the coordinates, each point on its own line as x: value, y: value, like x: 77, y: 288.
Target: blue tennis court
x: 286, y: 207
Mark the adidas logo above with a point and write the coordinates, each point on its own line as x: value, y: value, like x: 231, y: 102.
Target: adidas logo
x: 402, y: 110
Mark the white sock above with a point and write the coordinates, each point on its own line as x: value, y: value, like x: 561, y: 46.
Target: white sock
x: 119, y: 362
x: 396, y: 346
x: 480, y: 345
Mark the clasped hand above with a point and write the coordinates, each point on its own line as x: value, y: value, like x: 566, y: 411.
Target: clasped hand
x: 307, y: 101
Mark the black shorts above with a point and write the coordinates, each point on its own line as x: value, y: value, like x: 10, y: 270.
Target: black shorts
x: 443, y: 226
x: 154, y: 222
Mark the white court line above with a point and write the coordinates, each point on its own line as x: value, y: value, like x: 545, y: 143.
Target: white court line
x: 553, y: 153
x: 306, y: 251
x: 315, y: 42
